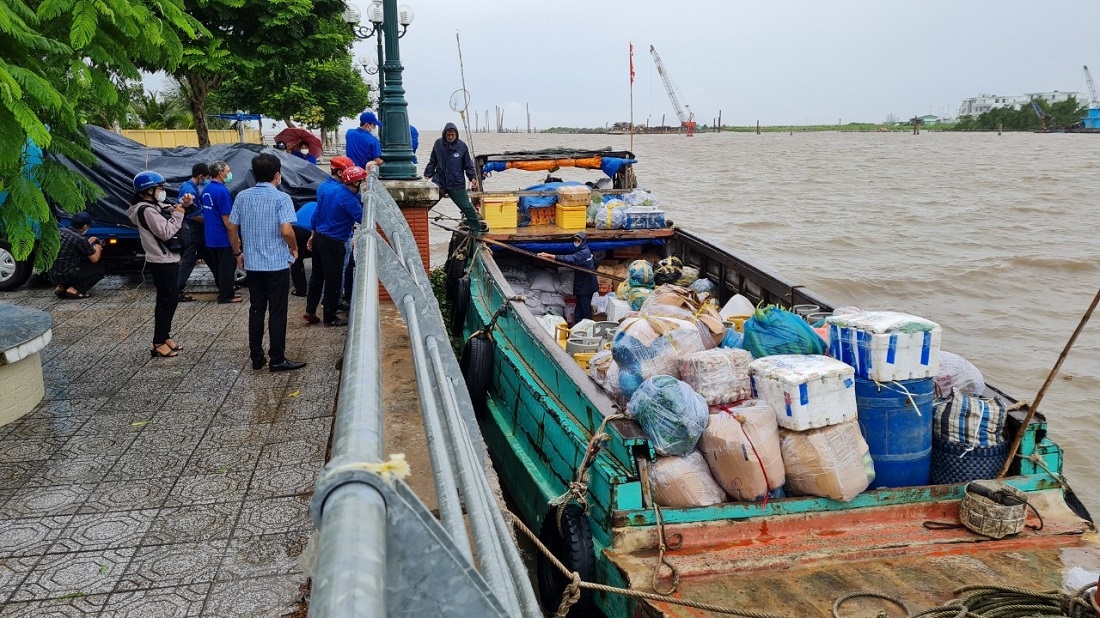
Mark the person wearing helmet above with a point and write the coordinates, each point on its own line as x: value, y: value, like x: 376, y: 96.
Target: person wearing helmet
x: 262, y: 235
x: 334, y: 220
x: 584, y: 284
x: 303, y: 226
x: 158, y: 224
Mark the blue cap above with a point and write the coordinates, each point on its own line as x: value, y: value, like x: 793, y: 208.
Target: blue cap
x: 369, y: 118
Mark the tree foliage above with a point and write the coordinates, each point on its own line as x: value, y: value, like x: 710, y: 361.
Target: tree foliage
x: 1060, y: 115
x: 59, y: 54
x: 263, y: 54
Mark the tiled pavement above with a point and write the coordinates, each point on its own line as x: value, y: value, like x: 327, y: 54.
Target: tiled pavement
x: 161, y: 487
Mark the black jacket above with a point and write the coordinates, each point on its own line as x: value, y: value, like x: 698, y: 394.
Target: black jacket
x: 450, y: 164
x: 583, y: 283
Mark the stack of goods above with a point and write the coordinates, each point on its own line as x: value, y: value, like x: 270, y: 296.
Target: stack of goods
x: 720, y: 375
x: 675, y: 301
x: 814, y: 397
x: 741, y: 446
x: 671, y: 414
x: 895, y: 357
x: 638, y: 284
x: 648, y: 346
x: 570, y: 212
x: 641, y: 212
x: 967, y: 429
x: 682, y: 482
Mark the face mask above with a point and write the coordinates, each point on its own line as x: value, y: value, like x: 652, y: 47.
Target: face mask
x: 204, y: 182
x: 229, y: 178
x: 576, y: 245
x: 304, y: 151
x: 161, y: 195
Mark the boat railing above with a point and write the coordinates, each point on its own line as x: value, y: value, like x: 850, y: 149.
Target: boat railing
x: 380, y: 551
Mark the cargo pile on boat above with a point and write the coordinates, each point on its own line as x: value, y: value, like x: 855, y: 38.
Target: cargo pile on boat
x: 757, y: 406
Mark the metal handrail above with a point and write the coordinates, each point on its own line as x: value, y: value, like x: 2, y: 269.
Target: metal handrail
x: 350, y: 511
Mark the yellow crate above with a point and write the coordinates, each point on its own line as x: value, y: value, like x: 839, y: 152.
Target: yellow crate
x: 570, y: 217
x: 500, y: 211
x: 574, y: 195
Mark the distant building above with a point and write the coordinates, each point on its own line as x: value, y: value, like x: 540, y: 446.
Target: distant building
x: 929, y: 119
x: 975, y: 106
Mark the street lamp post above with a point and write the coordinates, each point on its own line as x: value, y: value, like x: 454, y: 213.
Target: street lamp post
x: 397, y: 154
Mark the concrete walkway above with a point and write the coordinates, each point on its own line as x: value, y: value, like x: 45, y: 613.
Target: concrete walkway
x: 162, y: 487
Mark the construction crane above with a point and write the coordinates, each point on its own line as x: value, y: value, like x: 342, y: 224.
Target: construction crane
x: 1094, y: 101
x: 687, y: 121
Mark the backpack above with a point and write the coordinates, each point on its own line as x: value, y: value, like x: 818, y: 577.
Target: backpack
x: 173, y: 244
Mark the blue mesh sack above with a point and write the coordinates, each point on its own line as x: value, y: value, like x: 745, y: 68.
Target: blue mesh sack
x: 671, y: 414
x: 772, y: 330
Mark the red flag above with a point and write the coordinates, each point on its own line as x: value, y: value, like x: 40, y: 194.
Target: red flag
x: 632, y: 64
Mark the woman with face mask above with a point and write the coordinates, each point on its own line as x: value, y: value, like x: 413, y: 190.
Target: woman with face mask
x: 158, y: 223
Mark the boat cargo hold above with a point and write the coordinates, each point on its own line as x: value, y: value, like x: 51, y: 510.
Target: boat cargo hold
x: 722, y: 436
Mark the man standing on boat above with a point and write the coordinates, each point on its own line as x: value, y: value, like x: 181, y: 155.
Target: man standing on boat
x: 449, y: 167
x: 362, y: 146
x: 584, y: 284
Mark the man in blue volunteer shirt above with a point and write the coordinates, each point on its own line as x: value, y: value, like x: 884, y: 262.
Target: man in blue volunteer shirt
x: 192, y: 234
x: 337, y: 213
x: 362, y: 146
x: 263, y: 219
x: 304, y: 227
x: 217, y: 204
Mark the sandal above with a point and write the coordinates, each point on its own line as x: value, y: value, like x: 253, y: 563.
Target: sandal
x: 156, y: 353
x: 172, y: 344
x: 68, y: 294
x: 235, y: 299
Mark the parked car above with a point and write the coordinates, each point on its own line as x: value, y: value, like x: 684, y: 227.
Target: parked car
x: 118, y: 160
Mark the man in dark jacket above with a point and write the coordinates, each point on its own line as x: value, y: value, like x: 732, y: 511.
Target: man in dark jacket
x: 584, y: 284
x: 449, y: 167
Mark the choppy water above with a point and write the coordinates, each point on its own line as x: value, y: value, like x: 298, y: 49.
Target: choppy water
x: 993, y: 237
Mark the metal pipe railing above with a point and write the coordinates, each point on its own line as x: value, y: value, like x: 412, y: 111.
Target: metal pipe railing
x: 350, y: 579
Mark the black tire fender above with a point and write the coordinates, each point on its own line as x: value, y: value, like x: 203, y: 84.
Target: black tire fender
x: 572, y: 545
x: 459, y: 305
x: 453, y: 269
x: 477, y: 369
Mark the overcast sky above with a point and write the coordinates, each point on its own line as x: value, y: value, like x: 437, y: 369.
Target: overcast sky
x: 779, y: 62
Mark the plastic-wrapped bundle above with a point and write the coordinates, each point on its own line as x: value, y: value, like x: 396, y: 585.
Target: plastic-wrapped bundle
x: 732, y: 339
x: 682, y: 482
x: 970, y: 420
x: 604, y: 371
x: 610, y: 216
x: 741, y: 446
x: 720, y: 375
x: 637, y: 296
x: 668, y: 270
x: 643, y: 218
x: 648, y: 346
x: 671, y: 414
x: 640, y: 274
x: 690, y: 275
x: 705, y: 289
x: 773, y: 330
x: 677, y: 302
x: 640, y: 197
x: 957, y: 372
x: 550, y: 322
x: 832, y: 461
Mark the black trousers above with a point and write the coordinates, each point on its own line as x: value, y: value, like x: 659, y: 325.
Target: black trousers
x: 81, y: 278
x: 225, y: 269
x: 349, y: 279
x: 168, y: 296
x: 267, y: 292
x: 298, y: 268
x: 328, y: 272
x: 584, y: 306
x: 194, y: 247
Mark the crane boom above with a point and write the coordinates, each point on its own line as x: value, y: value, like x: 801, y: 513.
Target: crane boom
x: 1094, y: 101
x: 686, y: 120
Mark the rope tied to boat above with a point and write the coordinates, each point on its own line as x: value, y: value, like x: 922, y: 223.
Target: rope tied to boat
x: 501, y: 310
x: 578, y: 489
x: 576, y: 584
x: 664, y: 543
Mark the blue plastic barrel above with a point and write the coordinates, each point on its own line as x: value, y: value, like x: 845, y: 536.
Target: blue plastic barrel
x: 896, y: 420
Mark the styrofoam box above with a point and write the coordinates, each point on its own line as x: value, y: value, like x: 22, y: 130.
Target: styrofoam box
x: 886, y: 345
x: 617, y: 309
x: 806, y: 390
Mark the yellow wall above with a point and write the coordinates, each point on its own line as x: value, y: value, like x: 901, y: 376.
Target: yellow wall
x: 170, y: 138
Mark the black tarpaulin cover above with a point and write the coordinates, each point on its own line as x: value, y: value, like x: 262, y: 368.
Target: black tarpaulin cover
x: 120, y: 159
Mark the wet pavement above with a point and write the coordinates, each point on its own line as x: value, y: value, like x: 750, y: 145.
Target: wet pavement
x: 162, y: 487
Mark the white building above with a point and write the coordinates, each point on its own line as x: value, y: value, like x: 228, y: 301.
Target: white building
x: 975, y: 106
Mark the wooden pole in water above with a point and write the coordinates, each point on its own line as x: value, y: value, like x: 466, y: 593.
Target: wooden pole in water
x: 1042, y: 391
x: 758, y: 127
x: 1000, y: 127
x: 719, y: 121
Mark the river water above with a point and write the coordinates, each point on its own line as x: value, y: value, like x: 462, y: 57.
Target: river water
x: 992, y: 236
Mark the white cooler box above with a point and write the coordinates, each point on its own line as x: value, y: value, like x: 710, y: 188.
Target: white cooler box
x: 806, y: 390
x: 886, y: 345
x: 617, y: 309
